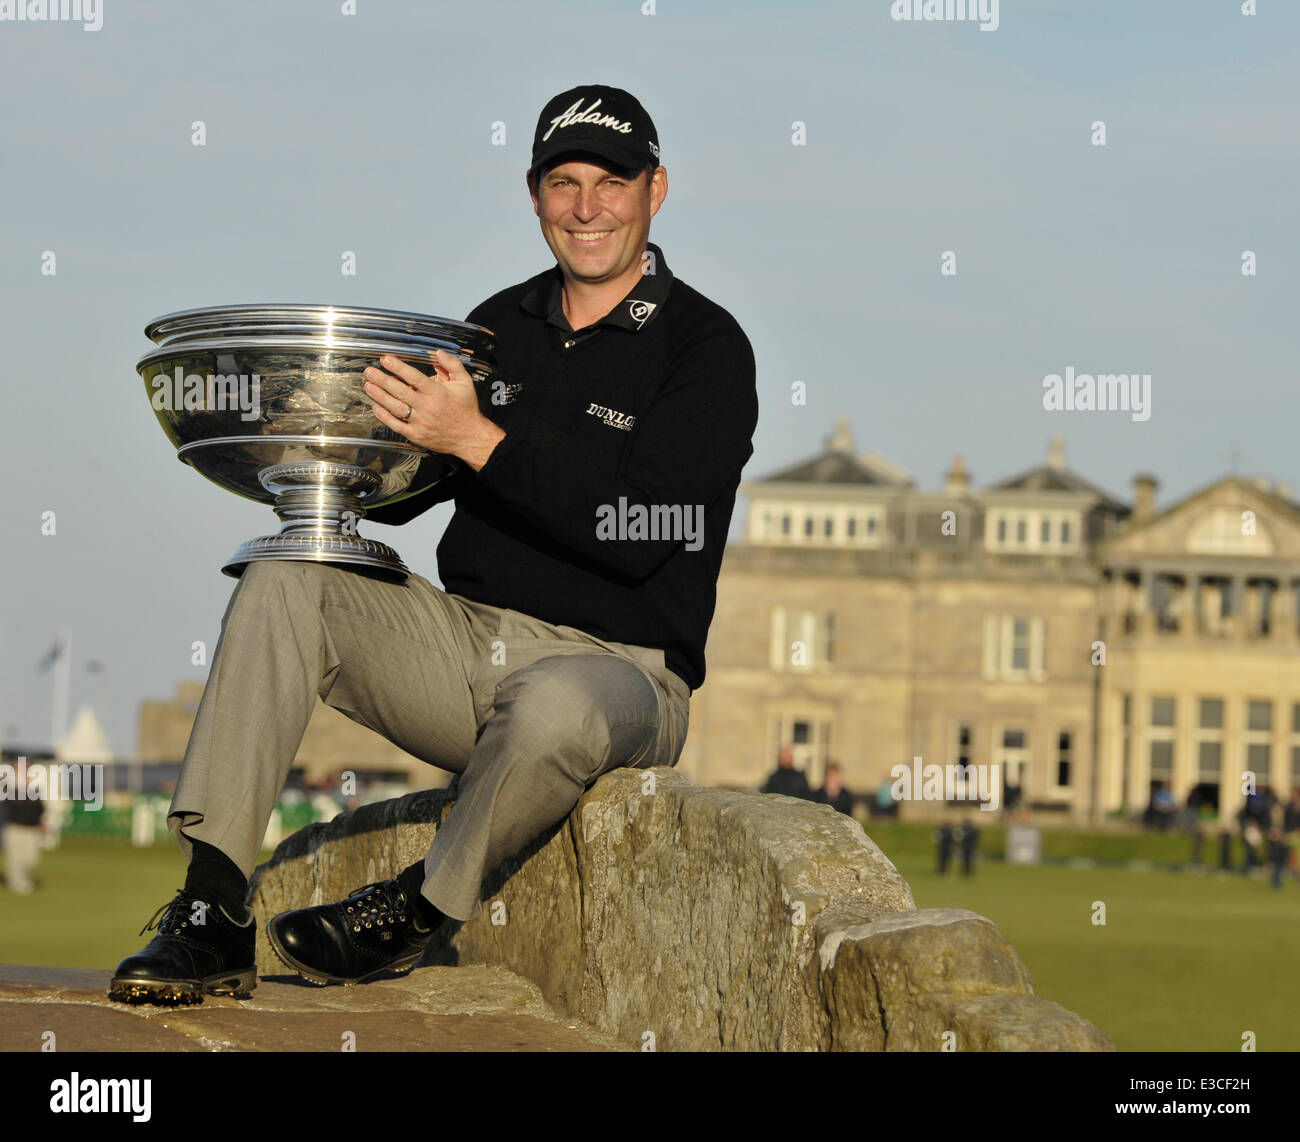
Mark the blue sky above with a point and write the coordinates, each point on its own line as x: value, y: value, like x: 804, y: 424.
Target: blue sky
x: 372, y: 133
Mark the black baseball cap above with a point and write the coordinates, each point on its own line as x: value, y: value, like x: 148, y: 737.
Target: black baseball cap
x: 603, y: 121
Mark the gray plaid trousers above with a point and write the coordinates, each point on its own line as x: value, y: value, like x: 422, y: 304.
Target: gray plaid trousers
x: 527, y: 713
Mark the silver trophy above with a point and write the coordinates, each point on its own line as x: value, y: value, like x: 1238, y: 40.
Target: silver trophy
x: 268, y: 401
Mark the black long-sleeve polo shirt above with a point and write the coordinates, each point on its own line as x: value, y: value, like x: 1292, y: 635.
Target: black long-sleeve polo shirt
x: 607, y: 504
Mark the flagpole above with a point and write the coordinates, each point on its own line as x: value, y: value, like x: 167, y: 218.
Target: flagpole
x: 62, y: 686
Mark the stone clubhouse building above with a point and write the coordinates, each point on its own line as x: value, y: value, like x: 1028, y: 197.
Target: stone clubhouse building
x: 1092, y: 649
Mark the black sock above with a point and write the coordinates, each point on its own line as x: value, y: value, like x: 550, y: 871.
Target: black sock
x: 215, y: 874
x: 410, y: 880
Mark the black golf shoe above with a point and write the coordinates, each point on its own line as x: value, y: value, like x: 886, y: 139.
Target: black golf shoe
x: 373, y: 930
x: 199, y: 949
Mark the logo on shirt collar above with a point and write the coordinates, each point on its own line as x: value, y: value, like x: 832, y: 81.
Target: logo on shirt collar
x: 640, y: 311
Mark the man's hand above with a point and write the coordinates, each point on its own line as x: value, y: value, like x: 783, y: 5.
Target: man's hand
x: 444, y: 415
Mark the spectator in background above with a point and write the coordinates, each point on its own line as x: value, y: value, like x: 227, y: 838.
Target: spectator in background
x: 1269, y: 812
x: 1255, y: 820
x: 1256, y: 808
x: 1196, y: 801
x: 969, y: 840
x: 1163, y: 807
x: 1252, y: 836
x: 833, y: 793
x: 886, y: 804
x: 1291, y: 832
x: 1277, y: 856
x: 787, y: 780
x: 944, y: 837
x: 1192, y: 823
x: 1225, y: 850
x: 1291, y: 814
x: 23, y: 826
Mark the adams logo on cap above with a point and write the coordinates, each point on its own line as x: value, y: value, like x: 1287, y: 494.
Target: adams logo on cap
x: 572, y: 115
x: 607, y: 122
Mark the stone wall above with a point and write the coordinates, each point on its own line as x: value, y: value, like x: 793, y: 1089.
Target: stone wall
x: 689, y: 918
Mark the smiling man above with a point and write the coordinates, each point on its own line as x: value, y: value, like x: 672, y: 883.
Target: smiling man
x: 566, y: 639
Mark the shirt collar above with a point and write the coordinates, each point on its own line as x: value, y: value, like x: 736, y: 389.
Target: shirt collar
x: 640, y: 307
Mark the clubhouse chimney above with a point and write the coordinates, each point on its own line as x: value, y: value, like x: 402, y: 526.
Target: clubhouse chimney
x: 957, y: 480
x: 1144, y: 496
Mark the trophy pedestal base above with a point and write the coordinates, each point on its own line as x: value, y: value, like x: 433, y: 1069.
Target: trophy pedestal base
x: 348, y: 549
x: 320, y: 503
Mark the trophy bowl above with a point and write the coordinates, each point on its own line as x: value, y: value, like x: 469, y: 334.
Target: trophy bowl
x: 268, y: 402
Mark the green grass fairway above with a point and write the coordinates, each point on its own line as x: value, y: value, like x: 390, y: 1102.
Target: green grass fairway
x: 1183, y: 963
x: 92, y: 899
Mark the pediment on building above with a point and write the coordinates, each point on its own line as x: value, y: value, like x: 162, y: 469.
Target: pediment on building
x: 839, y: 468
x: 1232, y: 517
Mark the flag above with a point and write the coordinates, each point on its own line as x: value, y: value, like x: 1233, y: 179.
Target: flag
x: 51, y: 656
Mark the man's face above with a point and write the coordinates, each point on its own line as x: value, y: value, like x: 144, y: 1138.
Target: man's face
x: 595, y: 220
